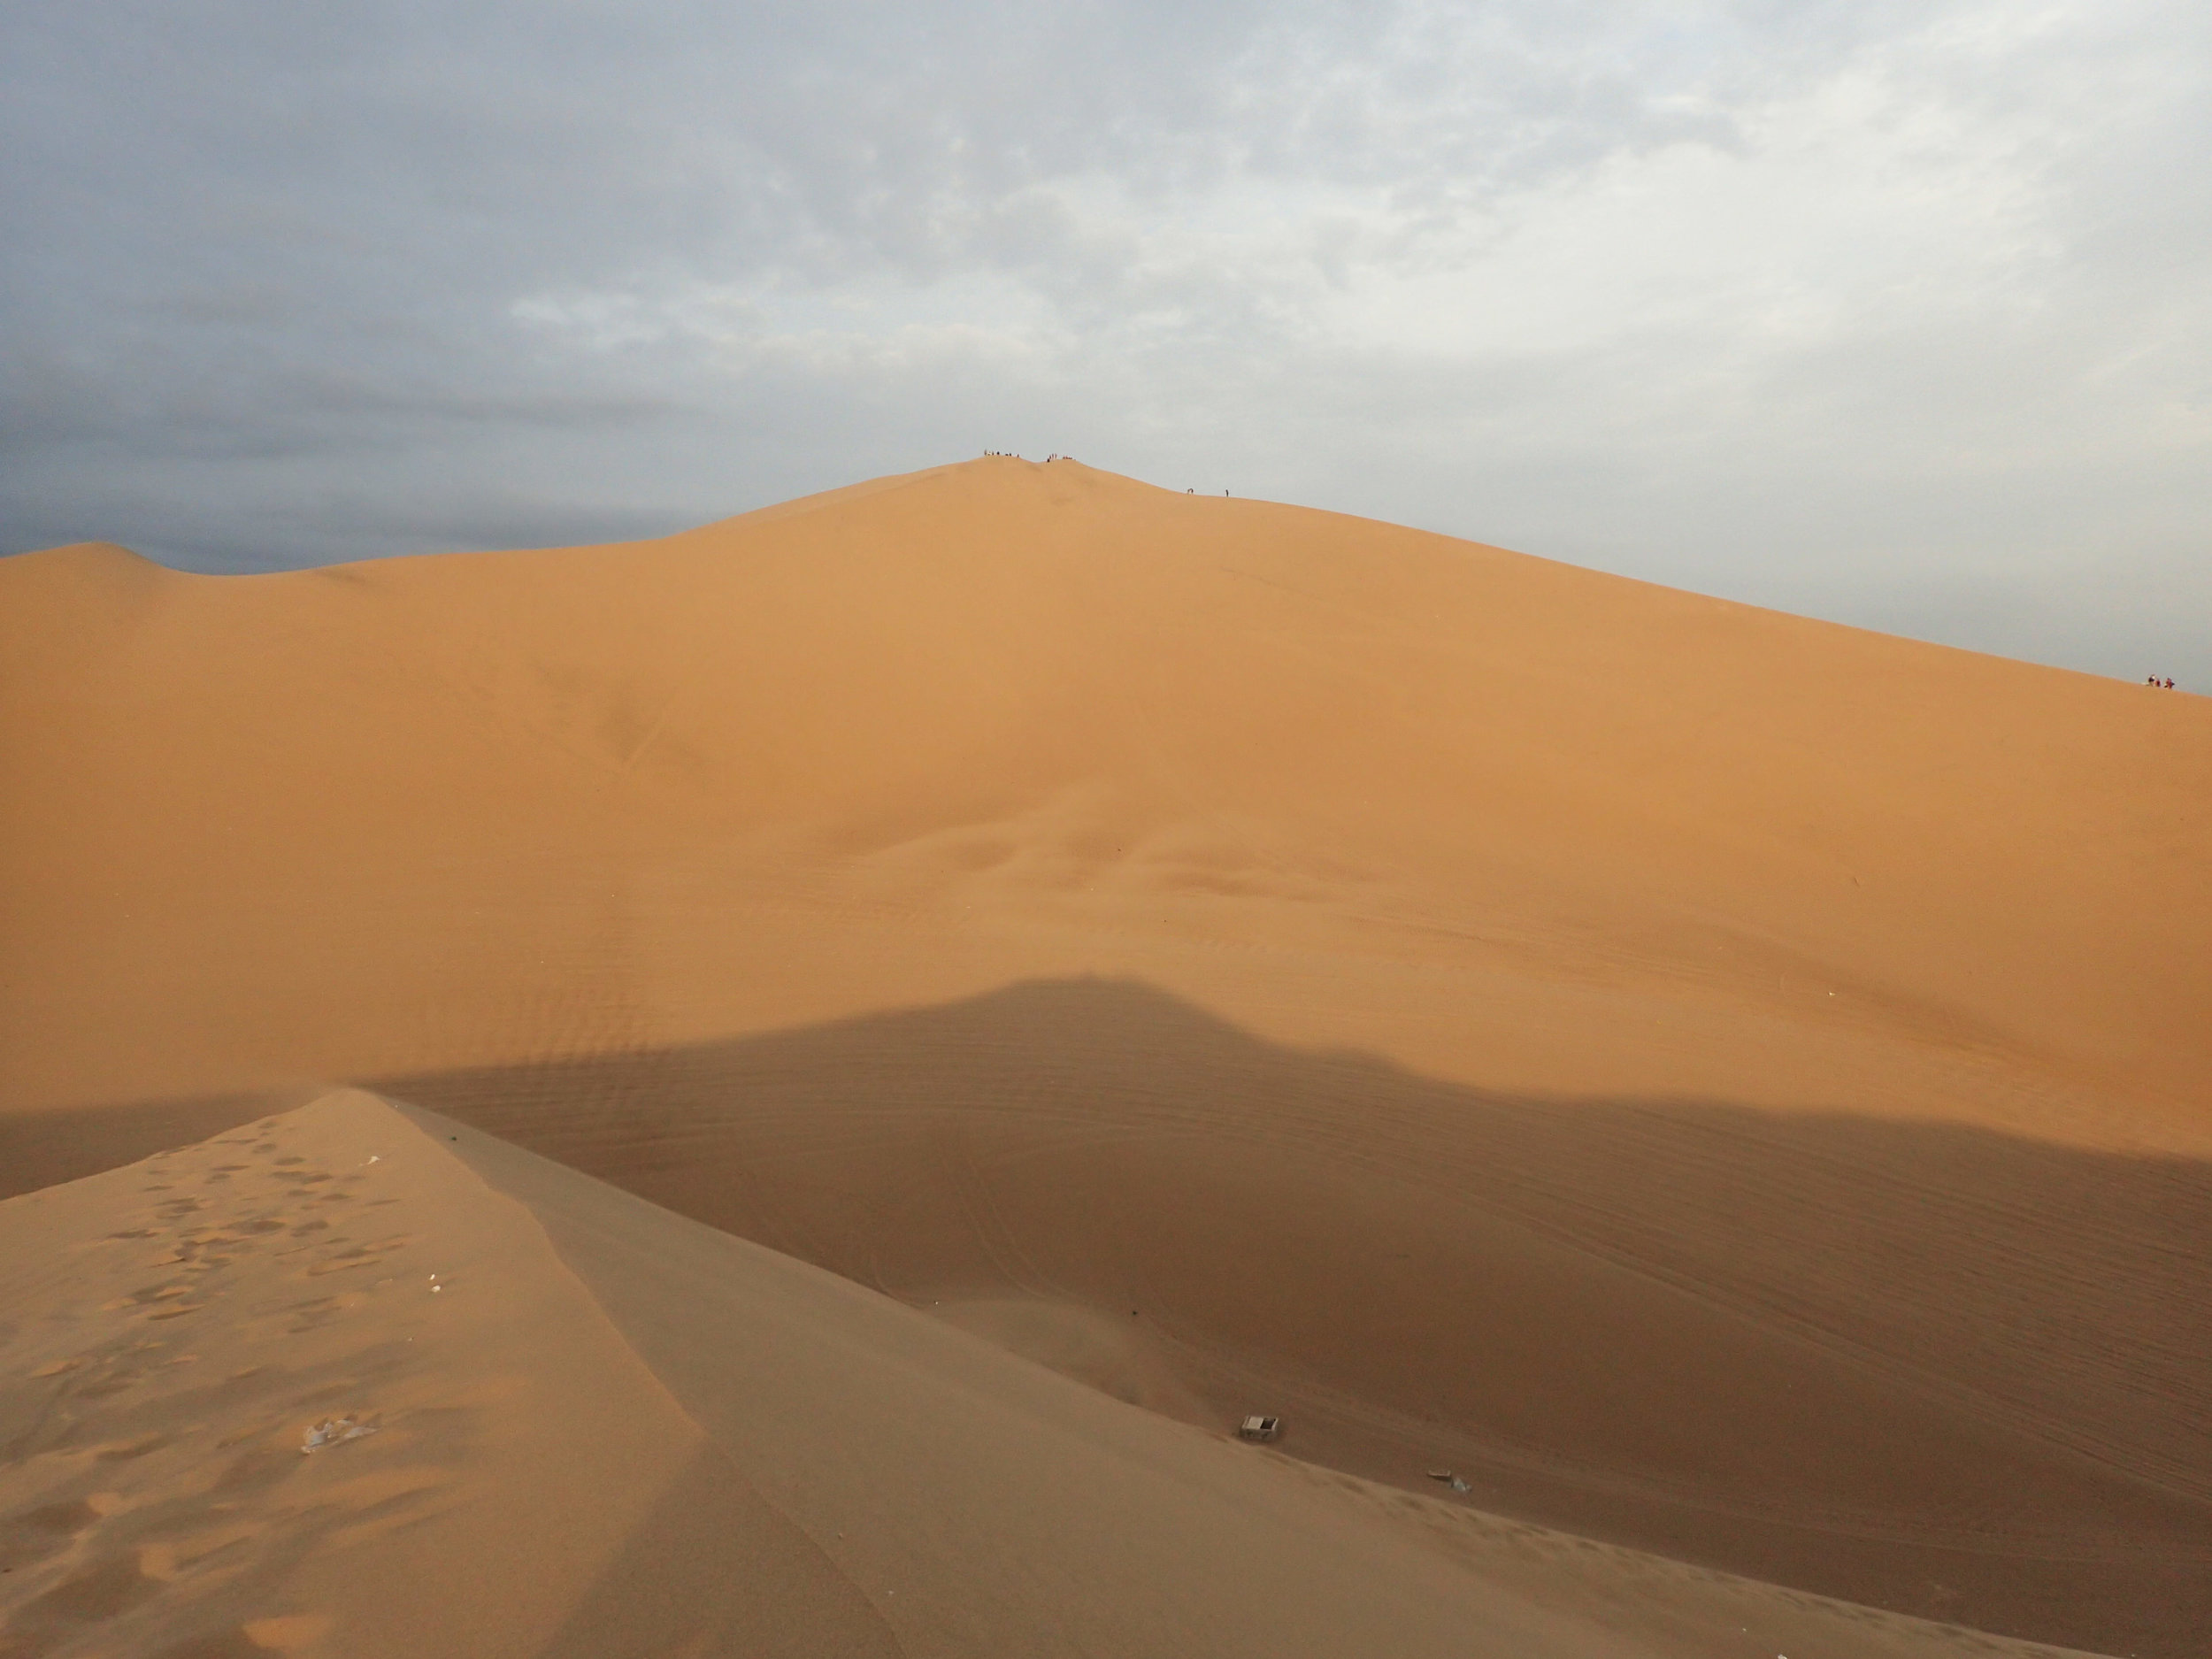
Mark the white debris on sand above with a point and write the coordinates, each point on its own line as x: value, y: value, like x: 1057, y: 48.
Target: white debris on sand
x: 331, y: 1431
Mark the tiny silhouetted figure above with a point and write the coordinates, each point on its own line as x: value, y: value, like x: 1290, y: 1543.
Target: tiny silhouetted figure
x: 2170, y: 682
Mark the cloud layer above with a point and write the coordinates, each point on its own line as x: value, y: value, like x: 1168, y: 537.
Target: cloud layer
x: 1899, y: 314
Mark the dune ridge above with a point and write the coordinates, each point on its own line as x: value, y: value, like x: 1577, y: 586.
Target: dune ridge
x: 601, y: 1429
x: 1049, y: 690
x: 1732, y: 1086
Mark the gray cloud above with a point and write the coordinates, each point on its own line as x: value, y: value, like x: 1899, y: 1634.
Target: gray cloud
x: 1897, y: 314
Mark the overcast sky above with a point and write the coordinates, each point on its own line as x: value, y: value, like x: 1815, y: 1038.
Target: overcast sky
x: 1895, y: 313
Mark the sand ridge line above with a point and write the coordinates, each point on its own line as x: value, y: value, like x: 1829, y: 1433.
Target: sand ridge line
x: 429, y: 1401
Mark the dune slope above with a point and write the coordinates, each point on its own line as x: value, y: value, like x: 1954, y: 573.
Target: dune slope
x: 309, y: 1386
x: 1048, y: 698
x: 1723, y: 1083
x: 598, y: 1429
x: 1910, y: 1364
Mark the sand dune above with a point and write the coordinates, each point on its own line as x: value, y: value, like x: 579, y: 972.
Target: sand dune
x: 248, y: 1415
x: 1724, y: 1084
x: 1911, y: 1365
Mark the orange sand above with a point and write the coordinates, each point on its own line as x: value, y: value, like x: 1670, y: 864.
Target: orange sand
x: 1720, y: 1083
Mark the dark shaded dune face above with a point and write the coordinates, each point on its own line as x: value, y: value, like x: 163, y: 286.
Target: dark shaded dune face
x: 1931, y: 1368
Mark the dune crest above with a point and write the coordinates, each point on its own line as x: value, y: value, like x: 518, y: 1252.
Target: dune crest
x: 314, y: 1387
x: 598, y: 1428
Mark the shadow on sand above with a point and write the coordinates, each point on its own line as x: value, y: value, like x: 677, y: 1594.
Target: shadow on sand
x: 1922, y: 1366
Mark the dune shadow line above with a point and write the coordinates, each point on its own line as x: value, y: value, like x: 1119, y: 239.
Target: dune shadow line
x: 1929, y: 1367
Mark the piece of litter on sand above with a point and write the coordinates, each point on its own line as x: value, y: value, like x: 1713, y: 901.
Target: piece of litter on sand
x: 331, y: 1431
x: 1459, y: 1486
x: 1440, y: 1474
